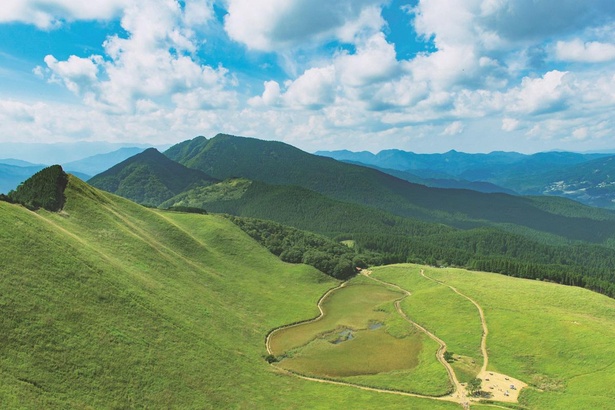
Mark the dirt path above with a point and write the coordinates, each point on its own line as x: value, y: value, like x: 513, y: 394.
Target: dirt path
x: 483, y: 341
x: 495, y: 383
x: 502, y: 387
x: 319, y: 305
x: 459, y: 393
x: 358, y: 386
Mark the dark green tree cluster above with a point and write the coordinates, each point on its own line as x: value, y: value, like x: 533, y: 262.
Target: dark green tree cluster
x: 296, y: 246
x: 474, y: 386
x: 45, y: 189
x: 492, y: 250
x: 188, y: 210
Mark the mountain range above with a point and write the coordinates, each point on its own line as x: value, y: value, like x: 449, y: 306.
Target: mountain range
x: 583, y: 177
x: 14, y: 171
x: 280, y: 164
x: 149, y: 178
x: 392, y: 217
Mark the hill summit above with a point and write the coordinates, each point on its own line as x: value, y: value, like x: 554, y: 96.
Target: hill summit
x: 277, y: 163
x: 150, y: 178
x: 45, y: 189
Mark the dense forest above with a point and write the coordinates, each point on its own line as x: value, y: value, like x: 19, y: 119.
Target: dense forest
x: 149, y: 178
x: 490, y: 250
x: 482, y: 249
x: 45, y: 189
x: 296, y: 246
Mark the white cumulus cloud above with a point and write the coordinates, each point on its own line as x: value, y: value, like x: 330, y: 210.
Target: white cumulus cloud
x: 541, y: 95
x: 153, y: 61
x: 46, y: 14
x: 587, y: 52
x: 510, y: 124
x: 78, y: 74
x: 374, y: 61
x: 276, y: 25
x: 454, y: 128
x: 314, y: 89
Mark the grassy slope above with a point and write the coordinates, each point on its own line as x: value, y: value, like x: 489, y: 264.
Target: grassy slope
x: 112, y: 305
x: 456, y: 320
x: 555, y: 338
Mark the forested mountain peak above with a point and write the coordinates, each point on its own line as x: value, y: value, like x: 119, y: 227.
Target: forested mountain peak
x: 226, y: 156
x: 149, y: 178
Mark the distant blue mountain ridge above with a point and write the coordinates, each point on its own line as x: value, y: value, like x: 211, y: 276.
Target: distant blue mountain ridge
x: 15, y: 171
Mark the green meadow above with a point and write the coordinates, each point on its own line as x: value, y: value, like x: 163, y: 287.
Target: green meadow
x: 455, y: 320
x: 111, y: 305
x: 557, y: 339
x: 361, y: 339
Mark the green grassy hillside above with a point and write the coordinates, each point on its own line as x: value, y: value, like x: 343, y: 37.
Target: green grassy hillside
x: 108, y: 304
x: 298, y: 207
x: 149, y: 178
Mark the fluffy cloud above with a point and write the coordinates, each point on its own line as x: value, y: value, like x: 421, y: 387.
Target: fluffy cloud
x: 46, y: 14
x: 353, y: 76
x: 154, y: 61
x: 510, y: 124
x: 541, y: 95
x: 78, y: 74
x: 373, y: 61
x: 521, y: 69
x: 589, y: 52
x: 523, y: 20
x: 277, y: 25
x: 271, y: 95
x: 15, y: 111
x: 507, y: 35
x: 314, y: 89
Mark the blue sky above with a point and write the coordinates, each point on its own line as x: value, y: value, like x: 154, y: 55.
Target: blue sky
x: 421, y: 75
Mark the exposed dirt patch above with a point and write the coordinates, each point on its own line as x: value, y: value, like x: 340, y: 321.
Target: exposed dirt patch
x: 503, y: 388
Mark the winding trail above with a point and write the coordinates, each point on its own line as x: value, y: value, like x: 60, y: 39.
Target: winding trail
x: 360, y: 387
x: 458, y: 396
x: 459, y: 390
x: 483, y: 341
x: 303, y: 322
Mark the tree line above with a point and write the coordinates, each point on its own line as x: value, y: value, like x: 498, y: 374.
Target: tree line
x: 295, y: 246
